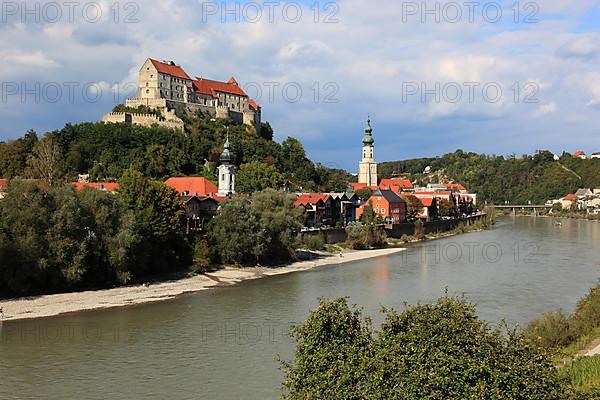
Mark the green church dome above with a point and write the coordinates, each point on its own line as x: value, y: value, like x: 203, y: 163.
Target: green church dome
x: 368, y: 138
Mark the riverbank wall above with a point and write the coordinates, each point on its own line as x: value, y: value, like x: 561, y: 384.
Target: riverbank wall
x: 396, y: 231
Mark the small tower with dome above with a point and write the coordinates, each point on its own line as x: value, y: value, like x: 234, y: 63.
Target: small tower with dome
x: 368, y: 167
x: 226, y: 171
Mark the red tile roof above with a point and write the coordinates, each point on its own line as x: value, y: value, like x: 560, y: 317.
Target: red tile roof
x: 392, y: 183
x: 311, y: 198
x: 426, y: 201
x: 3, y: 183
x: 254, y: 105
x: 193, y: 186
x: 456, y: 186
x: 359, y: 186
x: 433, y: 193
x: 170, y: 69
x: 103, y: 186
x: 210, y: 87
x: 578, y: 153
x: 571, y: 197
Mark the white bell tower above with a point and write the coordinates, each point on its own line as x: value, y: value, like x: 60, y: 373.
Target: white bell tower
x: 226, y: 171
x: 368, y: 167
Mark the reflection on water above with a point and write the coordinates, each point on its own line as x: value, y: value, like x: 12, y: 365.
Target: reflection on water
x: 224, y: 343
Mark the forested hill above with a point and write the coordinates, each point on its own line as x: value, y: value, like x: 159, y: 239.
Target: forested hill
x: 497, y: 179
x: 106, y: 151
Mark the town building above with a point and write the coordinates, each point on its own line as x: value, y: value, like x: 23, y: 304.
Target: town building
x: 199, y: 211
x: 397, y: 185
x: 109, y: 187
x: 226, y: 171
x: 367, y: 173
x: 580, y: 154
x: 3, y: 187
x: 386, y: 204
x: 595, y: 156
x: 166, y: 87
x: 570, y: 201
x: 193, y: 186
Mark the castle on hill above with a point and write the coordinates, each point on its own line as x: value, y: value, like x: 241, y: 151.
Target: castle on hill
x: 165, y: 86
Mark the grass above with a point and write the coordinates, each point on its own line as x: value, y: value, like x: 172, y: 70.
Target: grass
x: 581, y: 344
x: 583, y: 373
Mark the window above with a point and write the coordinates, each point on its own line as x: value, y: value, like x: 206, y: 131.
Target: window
x: 151, y: 75
x: 383, y: 210
x: 147, y: 90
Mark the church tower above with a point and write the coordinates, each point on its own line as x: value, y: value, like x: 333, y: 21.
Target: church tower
x: 368, y: 167
x: 226, y: 171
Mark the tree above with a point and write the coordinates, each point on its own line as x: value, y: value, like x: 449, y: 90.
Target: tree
x: 432, y: 351
x: 446, y: 208
x: 256, y: 176
x: 281, y: 221
x: 364, y: 194
x: 237, y: 234
x: 414, y: 206
x: 159, y: 224
x: 46, y: 162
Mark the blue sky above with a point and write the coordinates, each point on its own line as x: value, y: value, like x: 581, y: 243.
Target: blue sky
x: 352, y: 59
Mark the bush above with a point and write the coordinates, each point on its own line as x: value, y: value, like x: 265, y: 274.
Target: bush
x: 433, y: 351
x: 313, y: 242
x: 365, y: 236
x: 556, y: 330
x: 551, y: 331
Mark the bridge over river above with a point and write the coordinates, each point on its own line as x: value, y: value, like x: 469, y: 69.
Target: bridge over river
x: 514, y: 207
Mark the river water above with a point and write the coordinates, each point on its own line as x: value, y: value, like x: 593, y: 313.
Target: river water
x: 224, y: 343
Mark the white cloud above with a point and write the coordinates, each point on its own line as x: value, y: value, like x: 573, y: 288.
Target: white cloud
x: 369, y: 54
x: 583, y: 47
x: 35, y: 59
x: 543, y: 109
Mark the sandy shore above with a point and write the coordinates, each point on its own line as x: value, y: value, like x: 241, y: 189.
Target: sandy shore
x: 55, y: 304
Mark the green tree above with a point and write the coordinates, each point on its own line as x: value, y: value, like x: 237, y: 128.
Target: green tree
x: 432, y: 351
x: 46, y: 162
x: 281, y: 221
x: 256, y: 176
x: 364, y: 194
x: 159, y: 224
x: 414, y: 206
x: 237, y: 234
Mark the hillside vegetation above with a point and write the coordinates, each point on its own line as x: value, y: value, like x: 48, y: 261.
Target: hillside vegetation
x: 106, y: 151
x: 498, y: 179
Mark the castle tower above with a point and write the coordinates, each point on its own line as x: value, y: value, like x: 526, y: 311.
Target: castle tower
x: 226, y: 171
x: 368, y: 167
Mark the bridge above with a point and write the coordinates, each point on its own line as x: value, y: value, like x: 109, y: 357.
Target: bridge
x: 514, y: 207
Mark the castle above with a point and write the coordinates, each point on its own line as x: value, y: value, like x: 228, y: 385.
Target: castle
x: 165, y: 86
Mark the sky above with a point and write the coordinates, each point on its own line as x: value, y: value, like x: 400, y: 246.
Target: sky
x: 501, y: 77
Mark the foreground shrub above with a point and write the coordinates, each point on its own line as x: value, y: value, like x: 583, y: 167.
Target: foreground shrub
x: 434, y: 351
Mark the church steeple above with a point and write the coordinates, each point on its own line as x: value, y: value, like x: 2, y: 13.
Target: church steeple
x: 226, y: 170
x: 368, y: 167
x: 226, y: 154
x: 368, y: 138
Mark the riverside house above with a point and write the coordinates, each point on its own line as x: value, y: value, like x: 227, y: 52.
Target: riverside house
x: 386, y: 204
x: 3, y: 187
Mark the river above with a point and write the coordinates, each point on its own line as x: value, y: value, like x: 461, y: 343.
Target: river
x: 224, y: 343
